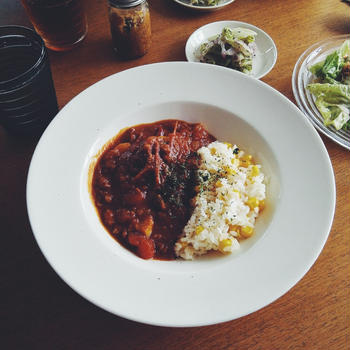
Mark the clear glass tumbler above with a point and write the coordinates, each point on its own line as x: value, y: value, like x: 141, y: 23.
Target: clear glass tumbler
x: 61, y: 23
x: 27, y: 94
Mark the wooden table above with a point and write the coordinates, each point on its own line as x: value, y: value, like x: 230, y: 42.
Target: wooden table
x: 39, y: 311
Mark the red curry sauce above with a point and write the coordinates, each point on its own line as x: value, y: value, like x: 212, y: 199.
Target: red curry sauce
x: 143, y: 183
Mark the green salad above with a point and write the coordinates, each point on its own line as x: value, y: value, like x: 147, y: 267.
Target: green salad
x: 332, y: 87
x: 233, y: 48
x: 204, y: 2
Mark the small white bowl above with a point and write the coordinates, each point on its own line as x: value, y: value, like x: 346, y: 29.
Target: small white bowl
x: 266, y: 53
x: 220, y: 5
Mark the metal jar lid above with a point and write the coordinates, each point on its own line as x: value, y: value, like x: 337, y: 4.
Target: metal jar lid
x: 125, y: 3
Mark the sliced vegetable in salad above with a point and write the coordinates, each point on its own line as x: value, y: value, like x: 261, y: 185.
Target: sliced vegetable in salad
x: 332, y: 87
x: 233, y: 48
x: 204, y: 2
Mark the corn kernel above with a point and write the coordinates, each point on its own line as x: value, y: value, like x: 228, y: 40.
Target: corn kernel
x: 261, y: 205
x: 228, y: 170
x: 247, y: 231
x: 255, y: 171
x: 235, y: 161
x: 199, y: 229
x: 252, y: 202
x: 245, y: 163
x: 248, y: 157
x: 218, y: 183
x: 212, y: 151
x: 225, y: 243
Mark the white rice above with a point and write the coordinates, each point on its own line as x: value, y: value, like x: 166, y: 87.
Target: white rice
x: 230, y: 194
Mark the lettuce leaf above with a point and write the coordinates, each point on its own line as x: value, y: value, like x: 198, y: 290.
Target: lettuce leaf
x: 332, y: 92
x: 244, y: 34
x: 330, y: 69
x: 333, y: 102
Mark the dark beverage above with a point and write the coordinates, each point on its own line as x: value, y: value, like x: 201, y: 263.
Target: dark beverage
x: 61, y: 23
x: 27, y: 94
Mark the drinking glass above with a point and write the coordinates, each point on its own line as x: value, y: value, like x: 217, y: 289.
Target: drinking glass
x: 27, y: 94
x: 61, y: 23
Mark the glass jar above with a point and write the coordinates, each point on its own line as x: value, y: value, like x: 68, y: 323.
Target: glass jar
x: 130, y: 27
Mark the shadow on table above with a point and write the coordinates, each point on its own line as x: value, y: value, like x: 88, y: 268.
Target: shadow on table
x: 338, y: 24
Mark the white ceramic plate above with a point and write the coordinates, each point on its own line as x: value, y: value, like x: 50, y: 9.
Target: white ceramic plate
x: 221, y: 3
x: 290, y: 233
x: 266, y: 54
x: 302, y: 77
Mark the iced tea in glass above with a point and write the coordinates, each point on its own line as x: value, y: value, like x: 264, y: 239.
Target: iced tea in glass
x: 61, y: 23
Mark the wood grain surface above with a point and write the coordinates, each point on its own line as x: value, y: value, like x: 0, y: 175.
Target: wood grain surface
x: 39, y: 311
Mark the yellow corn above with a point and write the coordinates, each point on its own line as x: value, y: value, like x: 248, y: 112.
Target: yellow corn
x: 245, y: 163
x: 252, y: 202
x: 229, y: 145
x: 246, y: 160
x: 235, y: 161
x: 212, y: 151
x: 247, y: 157
x: 218, y: 183
x: 255, y: 171
x: 228, y: 170
x: 225, y: 243
x: 199, y: 229
x: 247, y: 231
x: 261, y: 205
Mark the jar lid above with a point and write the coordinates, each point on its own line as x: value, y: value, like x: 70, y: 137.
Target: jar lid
x: 125, y: 3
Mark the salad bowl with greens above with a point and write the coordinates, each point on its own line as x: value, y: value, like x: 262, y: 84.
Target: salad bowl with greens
x: 204, y: 5
x: 233, y: 48
x: 235, y: 45
x: 321, y: 86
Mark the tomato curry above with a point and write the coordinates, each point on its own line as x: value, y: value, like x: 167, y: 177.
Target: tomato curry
x: 143, y: 183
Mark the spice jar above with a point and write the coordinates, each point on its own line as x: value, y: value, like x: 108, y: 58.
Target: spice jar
x: 130, y: 27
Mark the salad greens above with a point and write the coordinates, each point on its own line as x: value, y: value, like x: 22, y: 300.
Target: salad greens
x: 204, y: 2
x: 332, y: 87
x: 233, y: 48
